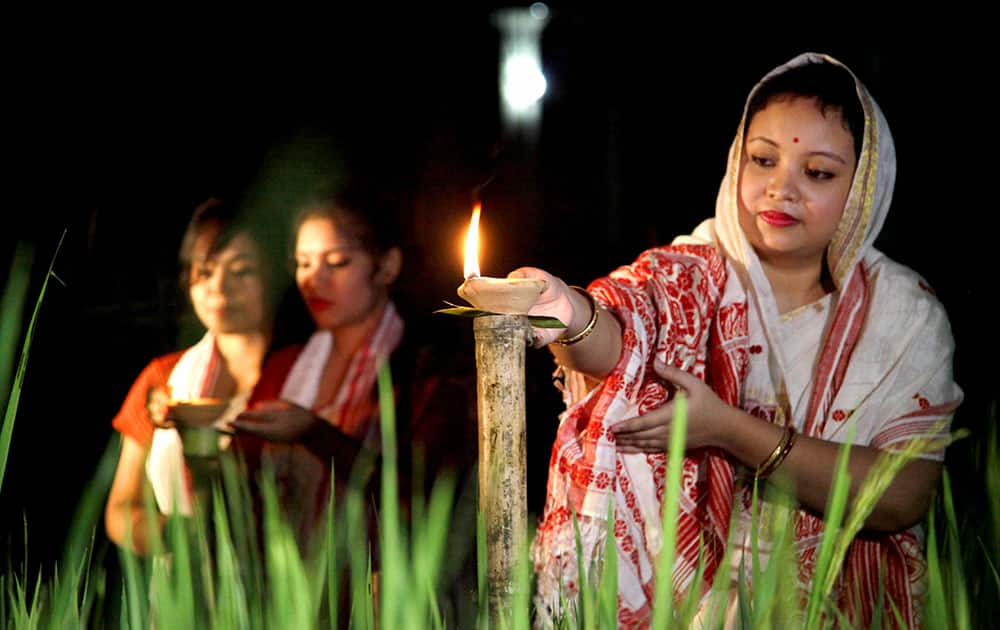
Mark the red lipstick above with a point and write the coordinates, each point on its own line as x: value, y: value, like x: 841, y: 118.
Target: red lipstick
x: 318, y: 304
x: 778, y: 219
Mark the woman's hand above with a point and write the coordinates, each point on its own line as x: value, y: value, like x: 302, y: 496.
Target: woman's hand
x: 276, y: 420
x: 706, y: 417
x: 555, y: 301
x: 158, y: 407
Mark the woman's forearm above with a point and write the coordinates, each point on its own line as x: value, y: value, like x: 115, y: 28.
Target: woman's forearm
x: 129, y: 526
x: 596, y: 354
x: 810, y: 465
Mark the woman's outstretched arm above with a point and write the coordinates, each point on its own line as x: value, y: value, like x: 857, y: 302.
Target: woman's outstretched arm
x: 594, y: 354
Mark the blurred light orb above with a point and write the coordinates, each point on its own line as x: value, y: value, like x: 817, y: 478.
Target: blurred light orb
x: 523, y: 81
x: 539, y: 11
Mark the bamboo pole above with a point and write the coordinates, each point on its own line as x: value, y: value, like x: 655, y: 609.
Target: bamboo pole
x: 500, y: 348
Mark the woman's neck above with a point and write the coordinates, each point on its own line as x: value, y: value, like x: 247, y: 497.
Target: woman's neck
x: 242, y: 356
x: 794, y: 284
x: 348, y: 338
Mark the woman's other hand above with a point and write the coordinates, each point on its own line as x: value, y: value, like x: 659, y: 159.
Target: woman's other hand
x: 650, y: 433
x: 158, y: 407
x: 276, y: 420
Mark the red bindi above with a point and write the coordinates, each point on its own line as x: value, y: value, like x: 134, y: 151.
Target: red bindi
x: 795, y: 140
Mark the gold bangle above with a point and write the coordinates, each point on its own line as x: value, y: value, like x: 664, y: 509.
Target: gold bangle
x: 766, y: 464
x: 589, y: 328
x: 784, y: 453
x: 778, y: 455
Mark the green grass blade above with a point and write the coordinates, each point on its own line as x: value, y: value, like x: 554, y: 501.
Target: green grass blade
x: 231, y: 605
x: 608, y: 581
x: 585, y: 596
x: 289, y: 598
x: 771, y: 598
x: 330, y: 551
x: 718, y: 597
x: 430, y: 535
x: 392, y: 581
x: 359, y: 558
x: 689, y: 607
x: 15, y: 393
x: 12, y: 313
x: 989, y: 563
x: 663, y: 610
x: 989, y: 464
x: 958, y: 596
x: 833, y: 517
x: 245, y: 534
x: 90, y: 510
x: 134, y: 592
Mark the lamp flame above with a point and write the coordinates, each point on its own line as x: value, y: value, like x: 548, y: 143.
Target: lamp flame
x: 472, y: 245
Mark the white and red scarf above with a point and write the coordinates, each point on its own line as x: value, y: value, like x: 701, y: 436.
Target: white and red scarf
x: 705, y: 305
x: 303, y: 477
x: 353, y: 406
x: 194, y: 376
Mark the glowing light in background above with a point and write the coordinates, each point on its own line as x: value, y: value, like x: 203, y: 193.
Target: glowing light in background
x: 522, y: 82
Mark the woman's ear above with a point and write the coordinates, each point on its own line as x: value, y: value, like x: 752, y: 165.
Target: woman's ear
x: 389, y: 266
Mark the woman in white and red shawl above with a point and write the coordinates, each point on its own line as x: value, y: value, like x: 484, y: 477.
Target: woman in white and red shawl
x: 229, y: 277
x: 783, y: 325
x: 317, y: 403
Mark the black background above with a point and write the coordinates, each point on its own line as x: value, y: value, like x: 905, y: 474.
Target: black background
x: 118, y: 125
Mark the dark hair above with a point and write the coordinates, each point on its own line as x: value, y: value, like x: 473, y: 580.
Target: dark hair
x: 832, y: 86
x: 366, y: 213
x: 224, y: 221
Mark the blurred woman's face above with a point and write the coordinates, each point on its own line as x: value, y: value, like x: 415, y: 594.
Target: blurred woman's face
x: 339, y: 279
x: 227, y: 287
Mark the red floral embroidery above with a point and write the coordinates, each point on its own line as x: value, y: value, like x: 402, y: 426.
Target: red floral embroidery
x: 603, y: 481
x: 839, y: 415
x: 629, y: 339
x: 629, y: 498
x: 562, y: 516
x: 620, y: 528
x: 923, y: 402
x: 685, y: 279
x: 628, y: 544
x: 756, y: 349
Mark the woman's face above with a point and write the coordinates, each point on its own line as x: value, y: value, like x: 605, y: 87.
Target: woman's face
x: 227, y: 287
x: 341, y: 282
x: 796, y: 173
